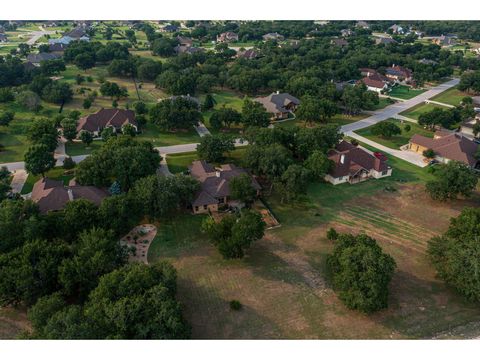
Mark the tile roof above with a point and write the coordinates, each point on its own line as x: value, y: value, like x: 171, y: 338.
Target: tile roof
x: 107, y: 117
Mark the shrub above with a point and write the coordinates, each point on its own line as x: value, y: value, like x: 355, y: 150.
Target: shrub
x: 235, y: 305
x: 332, y: 234
x: 68, y: 163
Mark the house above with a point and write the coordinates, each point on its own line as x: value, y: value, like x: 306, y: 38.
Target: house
x: 29, y: 66
x: 427, y: 62
x: 399, y: 74
x: 182, y: 49
x: 184, y: 41
x: 57, y: 47
x: 280, y: 105
x: 397, y: 29
x: 446, y: 40
x: 169, y: 29
x: 52, y: 195
x: 346, y: 32
x: 186, y: 97
x: 467, y: 126
x: 214, y: 185
x: 273, y: 36
x: 384, y: 40
x: 77, y: 33
x: 227, y: 37
x: 362, y: 24
x: 339, y: 42
x: 447, y: 146
x: 36, y: 59
x: 115, y: 118
x: 3, y: 38
x: 248, y: 54
x: 375, y: 82
x: 353, y: 165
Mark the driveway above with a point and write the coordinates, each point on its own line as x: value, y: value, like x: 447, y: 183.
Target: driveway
x: 37, y: 35
x: 202, y: 130
x: 19, y: 178
x: 410, y: 156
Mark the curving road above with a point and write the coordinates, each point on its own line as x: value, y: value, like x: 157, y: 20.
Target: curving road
x: 388, y: 112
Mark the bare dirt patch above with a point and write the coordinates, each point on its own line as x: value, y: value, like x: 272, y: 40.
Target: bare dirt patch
x: 139, y: 239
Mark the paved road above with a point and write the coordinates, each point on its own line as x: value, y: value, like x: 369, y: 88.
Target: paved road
x: 37, y: 35
x: 394, y: 109
x: 377, y: 116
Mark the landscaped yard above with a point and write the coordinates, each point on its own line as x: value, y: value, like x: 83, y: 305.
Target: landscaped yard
x: 404, y: 92
x: 383, y: 102
x: 451, y: 96
x: 340, y: 119
x: 79, y: 148
x: 416, y: 111
x: 395, y: 142
x: 227, y: 99
x: 57, y: 173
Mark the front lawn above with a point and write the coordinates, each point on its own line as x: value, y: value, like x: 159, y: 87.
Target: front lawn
x: 451, y: 96
x: 152, y: 133
x: 404, y: 92
x: 383, y: 103
x: 57, y: 173
x: 417, y: 110
x: 395, y: 142
x: 79, y: 148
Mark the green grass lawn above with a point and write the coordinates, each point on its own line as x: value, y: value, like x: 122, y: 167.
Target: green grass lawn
x: 151, y: 132
x: 175, y: 235
x: 395, y: 142
x: 451, y: 96
x: 340, y: 119
x: 404, y: 92
x: 57, y: 173
x: 223, y: 98
x: 178, y: 163
x: 416, y: 111
x: 79, y: 148
x: 384, y: 102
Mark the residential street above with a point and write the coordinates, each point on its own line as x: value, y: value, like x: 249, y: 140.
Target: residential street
x: 37, y: 35
x: 377, y: 116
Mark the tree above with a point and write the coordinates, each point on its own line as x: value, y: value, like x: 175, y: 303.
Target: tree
x: 43, y: 131
x: 212, y: 148
x: 6, y: 117
x: 270, y: 161
x: 470, y: 81
x: 429, y: 153
x: 360, y: 272
x: 254, y: 114
x: 140, y: 108
x: 455, y: 253
x: 164, y: 46
x: 97, y: 252
x: 68, y: 163
x: 119, y: 213
x: 113, y: 90
x: 208, y: 103
x: 177, y: 83
x: 318, y: 163
x: 407, y: 128
x: 315, y: 110
x: 87, y: 103
x: 108, y: 133
x: 31, y: 271
x: 129, y: 130
x: 57, y: 92
x: 69, y: 128
x: 224, y: 117
x: 39, y: 159
x: 84, y: 61
x: 293, y: 182
x: 177, y: 113
x: 29, y: 100
x: 476, y: 129
x: 234, y: 234
x: 241, y: 188
x: 149, y: 70
x: 451, y: 180
x: 86, y: 137
x: 385, y: 129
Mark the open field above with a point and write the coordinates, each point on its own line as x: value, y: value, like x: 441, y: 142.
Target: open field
x: 452, y: 96
x: 282, y: 283
x: 13, y: 321
x: 395, y: 142
x: 404, y: 92
x: 340, y: 119
x: 416, y: 111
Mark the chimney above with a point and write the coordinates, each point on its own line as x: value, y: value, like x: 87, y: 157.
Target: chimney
x: 368, y: 73
x: 278, y: 92
x: 342, y: 158
x: 70, y: 194
x: 217, y: 173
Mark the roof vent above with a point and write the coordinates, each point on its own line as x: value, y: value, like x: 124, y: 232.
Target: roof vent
x: 342, y: 158
x: 217, y: 173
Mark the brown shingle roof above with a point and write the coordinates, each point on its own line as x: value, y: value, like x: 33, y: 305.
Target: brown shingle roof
x: 215, y: 182
x: 452, y: 146
x: 277, y: 103
x: 354, y: 159
x: 51, y: 195
x: 107, y: 117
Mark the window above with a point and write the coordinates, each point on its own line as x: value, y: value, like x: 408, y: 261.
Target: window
x: 221, y: 200
x: 204, y: 207
x: 384, y: 172
x: 196, y: 208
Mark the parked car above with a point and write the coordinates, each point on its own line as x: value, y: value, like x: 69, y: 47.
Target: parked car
x: 380, y: 156
x: 433, y: 162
